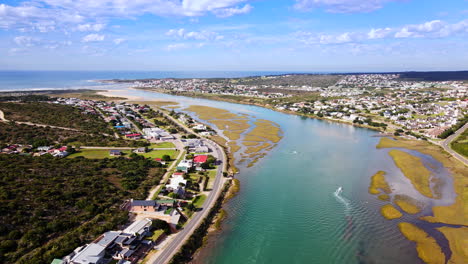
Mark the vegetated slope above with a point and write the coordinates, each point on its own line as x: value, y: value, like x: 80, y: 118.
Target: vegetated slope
x: 13, y: 133
x: 55, y: 115
x: 315, y: 80
x: 49, y: 206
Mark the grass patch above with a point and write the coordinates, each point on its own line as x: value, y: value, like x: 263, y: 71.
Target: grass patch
x: 160, y: 153
x: 211, y: 178
x: 390, y: 212
x: 156, y: 235
x: 378, y: 182
x: 428, y: 249
x: 413, y: 168
x: 458, y: 240
x: 96, y: 154
x: 199, y: 200
x: 163, y: 145
x: 407, y: 204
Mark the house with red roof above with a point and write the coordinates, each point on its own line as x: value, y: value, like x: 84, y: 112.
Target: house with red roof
x: 199, y: 159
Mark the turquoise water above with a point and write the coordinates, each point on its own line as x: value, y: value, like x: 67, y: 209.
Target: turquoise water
x: 288, y: 210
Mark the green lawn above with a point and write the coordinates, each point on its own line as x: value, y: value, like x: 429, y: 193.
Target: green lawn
x: 199, y: 200
x: 163, y: 145
x: 160, y: 153
x: 211, y: 178
x: 95, y: 153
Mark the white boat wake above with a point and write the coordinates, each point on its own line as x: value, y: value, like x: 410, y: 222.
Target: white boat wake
x: 342, y: 200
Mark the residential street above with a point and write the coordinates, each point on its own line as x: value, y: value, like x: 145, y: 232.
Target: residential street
x: 166, y: 254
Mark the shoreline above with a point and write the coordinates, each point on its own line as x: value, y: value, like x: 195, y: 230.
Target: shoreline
x: 217, y: 98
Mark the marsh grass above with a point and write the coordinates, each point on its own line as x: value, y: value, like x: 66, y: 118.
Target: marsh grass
x: 390, y: 212
x: 413, y: 169
x: 428, y: 249
x: 407, y: 204
x: 378, y: 182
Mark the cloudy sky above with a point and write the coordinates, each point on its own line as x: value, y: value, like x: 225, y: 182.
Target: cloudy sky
x: 281, y: 35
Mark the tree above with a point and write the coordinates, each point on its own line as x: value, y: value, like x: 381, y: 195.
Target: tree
x: 166, y: 158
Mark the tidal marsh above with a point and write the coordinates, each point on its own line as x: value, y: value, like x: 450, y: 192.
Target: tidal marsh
x: 428, y: 249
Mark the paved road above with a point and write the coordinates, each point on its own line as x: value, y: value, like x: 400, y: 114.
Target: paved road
x: 173, y: 247
x: 446, y: 144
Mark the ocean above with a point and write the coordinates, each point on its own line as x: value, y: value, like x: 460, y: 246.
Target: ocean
x: 45, y: 80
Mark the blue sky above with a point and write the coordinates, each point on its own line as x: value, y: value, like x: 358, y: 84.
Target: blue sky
x: 233, y: 35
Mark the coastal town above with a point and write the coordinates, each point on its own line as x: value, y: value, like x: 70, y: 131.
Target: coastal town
x: 194, y: 174
x: 416, y: 109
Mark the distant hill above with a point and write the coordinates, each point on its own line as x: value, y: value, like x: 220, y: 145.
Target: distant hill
x: 435, y: 76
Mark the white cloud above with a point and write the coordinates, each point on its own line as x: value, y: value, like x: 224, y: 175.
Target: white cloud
x: 31, y: 16
x: 379, y: 33
x: 50, y: 15
x: 231, y: 11
x: 26, y: 41
x: 93, y: 38
x: 194, y: 35
x: 176, y: 46
x: 342, y: 6
x: 90, y: 27
x: 118, y: 41
x: 430, y: 29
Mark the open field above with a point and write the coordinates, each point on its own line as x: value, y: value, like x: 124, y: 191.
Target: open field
x: 378, y: 182
x: 390, y: 212
x: 452, y: 214
x: 428, y: 249
x: 96, y: 154
x: 163, y: 145
x: 199, y: 200
x: 160, y: 153
x: 413, y: 169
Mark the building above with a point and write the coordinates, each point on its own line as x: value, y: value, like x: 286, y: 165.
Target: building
x: 139, y: 228
x: 140, y: 150
x: 199, y: 159
x: 115, y: 153
x: 176, y: 182
x: 143, y: 206
x: 185, y: 165
x: 90, y: 254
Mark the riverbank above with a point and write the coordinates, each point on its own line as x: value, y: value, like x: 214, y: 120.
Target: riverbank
x: 247, y: 101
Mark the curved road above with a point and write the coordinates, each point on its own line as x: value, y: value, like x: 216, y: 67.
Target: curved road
x: 446, y: 144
